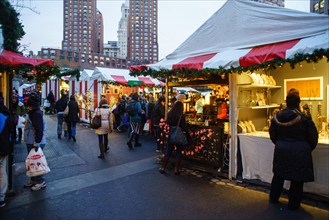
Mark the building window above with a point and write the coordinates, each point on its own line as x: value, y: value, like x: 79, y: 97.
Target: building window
x: 316, y: 7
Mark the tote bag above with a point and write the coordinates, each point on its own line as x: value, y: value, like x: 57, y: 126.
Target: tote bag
x: 177, y: 135
x: 96, y: 122
x: 36, y: 163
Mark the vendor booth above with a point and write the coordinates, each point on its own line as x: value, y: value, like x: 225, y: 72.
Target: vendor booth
x: 107, y: 82
x: 256, y: 52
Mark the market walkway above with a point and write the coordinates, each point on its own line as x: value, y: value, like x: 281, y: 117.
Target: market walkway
x: 127, y: 185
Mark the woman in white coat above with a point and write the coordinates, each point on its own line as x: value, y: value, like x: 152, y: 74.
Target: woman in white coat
x: 107, y: 126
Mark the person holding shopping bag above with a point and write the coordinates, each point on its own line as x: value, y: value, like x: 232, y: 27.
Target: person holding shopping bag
x: 106, y: 126
x: 35, y: 136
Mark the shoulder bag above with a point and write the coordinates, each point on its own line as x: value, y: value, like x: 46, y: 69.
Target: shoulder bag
x: 177, y: 136
x: 96, y: 122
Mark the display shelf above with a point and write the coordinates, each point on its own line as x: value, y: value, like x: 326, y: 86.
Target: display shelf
x: 254, y: 86
x: 260, y: 107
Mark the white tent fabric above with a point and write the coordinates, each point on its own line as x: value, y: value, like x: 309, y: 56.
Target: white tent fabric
x: 121, y: 76
x: 186, y: 89
x: 84, y: 75
x: 245, y: 33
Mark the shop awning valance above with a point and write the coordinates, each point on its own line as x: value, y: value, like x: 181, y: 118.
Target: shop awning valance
x: 15, y: 59
x: 246, y: 34
x: 122, y: 77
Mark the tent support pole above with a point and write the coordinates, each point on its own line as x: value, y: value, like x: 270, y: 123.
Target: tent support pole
x: 167, y: 98
x: 233, y: 125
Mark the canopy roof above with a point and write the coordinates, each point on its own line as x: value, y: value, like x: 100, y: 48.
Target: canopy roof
x: 121, y: 76
x: 15, y: 59
x: 246, y: 33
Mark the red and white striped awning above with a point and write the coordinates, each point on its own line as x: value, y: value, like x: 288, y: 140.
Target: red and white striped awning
x: 247, y: 33
x: 245, y: 57
x: 121, y: 76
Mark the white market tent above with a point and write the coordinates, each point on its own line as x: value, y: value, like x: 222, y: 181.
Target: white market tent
x: 26, y: 86
x: 245, y: 33
x: 186, y: 89
x: 121, y: 76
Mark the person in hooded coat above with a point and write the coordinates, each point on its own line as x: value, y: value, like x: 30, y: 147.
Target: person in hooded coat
x: 72, y: 117
x: 295, y: 137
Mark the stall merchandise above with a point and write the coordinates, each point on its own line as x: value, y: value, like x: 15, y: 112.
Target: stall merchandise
x: 270, y: 43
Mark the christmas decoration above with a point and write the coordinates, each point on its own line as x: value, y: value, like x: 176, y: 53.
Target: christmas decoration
x: 316, y: 56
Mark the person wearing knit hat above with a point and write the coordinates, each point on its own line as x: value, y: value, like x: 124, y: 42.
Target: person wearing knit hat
x: 35, y: 135
x: 180, y: 98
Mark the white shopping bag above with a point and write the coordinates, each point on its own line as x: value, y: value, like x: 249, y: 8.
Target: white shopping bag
x: 46, y: 103
x: 36, y: 163
x: 146, y: 126
x: 20, y: 123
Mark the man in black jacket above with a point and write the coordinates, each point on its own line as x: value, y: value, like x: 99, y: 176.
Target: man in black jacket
x: 60, y: 108
x: 7, y: 131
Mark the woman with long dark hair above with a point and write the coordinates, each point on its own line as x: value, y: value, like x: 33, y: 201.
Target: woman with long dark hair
x: 72, y: 117
x: 174, y: 116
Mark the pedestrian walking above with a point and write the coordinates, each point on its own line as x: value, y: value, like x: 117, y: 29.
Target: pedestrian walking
x: 51, y: 100
x: 158, y: 113
x: 60, y: 106
x: 35, y: 136
x: 144, y: 114
x: 19, y: 111
x: 72, y: 118
x: 175, y: 115
x: 121, y: 110
x: 295, y: 137
x: 7, y: 132
x: 107, y: 126
x: 135, y: 111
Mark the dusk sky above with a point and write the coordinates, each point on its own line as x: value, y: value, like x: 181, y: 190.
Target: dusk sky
x: 178, y: 19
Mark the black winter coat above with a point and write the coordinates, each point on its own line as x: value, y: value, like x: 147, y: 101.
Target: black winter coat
x: 74, y: 110
x: 61, y: 104
x: 295, y: 137
x: 158, y: 113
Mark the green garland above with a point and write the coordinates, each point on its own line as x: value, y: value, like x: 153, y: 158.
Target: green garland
x: 38, y: 73
x: 316, y: 56
x: 126, y: 85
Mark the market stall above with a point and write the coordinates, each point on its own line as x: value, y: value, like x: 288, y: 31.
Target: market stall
x: 261, y: 59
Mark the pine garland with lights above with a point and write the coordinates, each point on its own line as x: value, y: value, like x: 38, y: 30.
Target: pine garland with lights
x: 38, y: 73
x: 315, y: 57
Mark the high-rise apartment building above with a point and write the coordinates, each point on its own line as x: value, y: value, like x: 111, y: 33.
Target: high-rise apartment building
x: 143, y: 31
x: 122, y: 30
x: 82, y: 26
x: 319, y: 6
x: 272, y: 2
x: 100, y: 32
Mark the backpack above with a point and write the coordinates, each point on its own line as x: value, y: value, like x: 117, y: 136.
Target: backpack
x: 6, y: 135
x: 131, y: 109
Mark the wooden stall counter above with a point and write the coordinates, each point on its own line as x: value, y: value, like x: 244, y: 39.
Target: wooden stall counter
x: 257, y: 157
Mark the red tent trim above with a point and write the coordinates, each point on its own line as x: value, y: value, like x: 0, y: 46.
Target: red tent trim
x: 120, y: 79
x: 15, y: 59
x: 194, y: 62
x: 267, y: 53
x: 147, y: 81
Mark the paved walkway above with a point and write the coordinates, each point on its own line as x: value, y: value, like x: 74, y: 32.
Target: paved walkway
x: 127, y: 185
